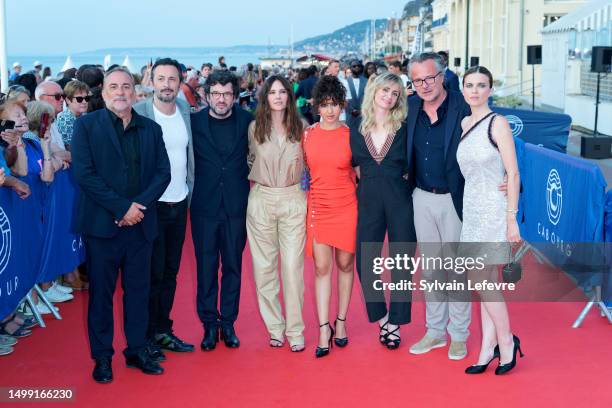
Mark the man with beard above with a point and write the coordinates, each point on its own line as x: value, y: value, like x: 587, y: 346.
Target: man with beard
x: 120, y: 163
x: 355, y: 85
x: 218, y: 206
x: 172, y: 115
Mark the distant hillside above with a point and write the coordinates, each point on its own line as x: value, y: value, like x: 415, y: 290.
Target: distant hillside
x: 339, y: 42
x: 346, y: 39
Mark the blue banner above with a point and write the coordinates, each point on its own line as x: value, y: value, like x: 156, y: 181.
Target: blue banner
x: 563, y: 199
x: 549, y: 130
x: 20, y: 244
x: 63, y: 250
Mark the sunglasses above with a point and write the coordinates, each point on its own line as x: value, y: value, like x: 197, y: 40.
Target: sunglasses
x: 57, y: 97
x: 81, y: 99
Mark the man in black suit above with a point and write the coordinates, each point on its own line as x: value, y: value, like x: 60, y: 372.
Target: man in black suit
x: 451, y: 80
x: 355, y: 90
x: 121, y: 165
x: 434, y: 131
x: 218, y: 206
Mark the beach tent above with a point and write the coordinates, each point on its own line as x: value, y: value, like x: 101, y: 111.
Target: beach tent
x: 128, y: 64
x: 68, y: 64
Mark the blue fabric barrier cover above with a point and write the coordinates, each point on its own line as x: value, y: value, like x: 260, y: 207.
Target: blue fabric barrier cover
x: 564, y: 210
x: 549, y: 130
x: 20, y: 245
x: 63, y: 250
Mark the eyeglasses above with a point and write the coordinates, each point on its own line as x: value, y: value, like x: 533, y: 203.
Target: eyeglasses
x: 430, y: 80
x: 225, y: 95
x: 57, y: 97
x: 81, y: 99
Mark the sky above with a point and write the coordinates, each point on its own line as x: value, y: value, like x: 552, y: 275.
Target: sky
x: 60, y: 27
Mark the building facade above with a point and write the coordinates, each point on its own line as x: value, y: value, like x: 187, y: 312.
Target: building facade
x: 498, y: 33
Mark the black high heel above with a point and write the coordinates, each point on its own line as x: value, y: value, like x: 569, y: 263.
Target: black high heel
x: 392, y: 344
x: 382, y: 336
x: 323, y: 351
x: 504, y: 368
x: 479, y: 369
x: 343, y: 342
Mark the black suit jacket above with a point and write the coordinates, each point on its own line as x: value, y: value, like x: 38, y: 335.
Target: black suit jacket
x: 220, y: 181
x: 457, y: 110
x: 451, y: 81
x: 101, y: 173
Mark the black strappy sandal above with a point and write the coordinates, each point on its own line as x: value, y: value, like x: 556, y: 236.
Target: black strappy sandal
x: 392, y: 344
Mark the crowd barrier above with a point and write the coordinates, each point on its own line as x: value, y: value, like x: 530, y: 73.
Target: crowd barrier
x: 563, y: 202
x: 550, y: 130
x: 36, y: 243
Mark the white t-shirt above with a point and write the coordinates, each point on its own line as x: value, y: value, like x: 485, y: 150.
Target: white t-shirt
x: 176, y: 140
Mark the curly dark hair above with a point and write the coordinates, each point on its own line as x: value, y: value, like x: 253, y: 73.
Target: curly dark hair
x: 328, y: 88
x: 222, y: 78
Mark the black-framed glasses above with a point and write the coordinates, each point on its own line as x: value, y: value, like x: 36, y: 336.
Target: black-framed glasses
x: 218, y: 95
x: 57, y: 97
x: 81, y: 99
x: 430, y: 80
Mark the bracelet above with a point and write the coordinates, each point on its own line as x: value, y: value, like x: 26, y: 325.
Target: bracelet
x: 512, y: 211
x: 47, y: 159
x: 20, y: 144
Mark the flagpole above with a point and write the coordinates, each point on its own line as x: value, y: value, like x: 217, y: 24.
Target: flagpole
x: 4, y: 72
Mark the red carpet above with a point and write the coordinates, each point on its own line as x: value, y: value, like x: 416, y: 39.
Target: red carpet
x: 563, y: 367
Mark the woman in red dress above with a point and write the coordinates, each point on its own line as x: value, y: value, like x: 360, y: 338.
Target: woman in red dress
x: 331, y: 222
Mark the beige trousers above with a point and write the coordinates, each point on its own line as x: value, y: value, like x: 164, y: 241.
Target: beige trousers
x: 436, y: 223
x: 276, y: 223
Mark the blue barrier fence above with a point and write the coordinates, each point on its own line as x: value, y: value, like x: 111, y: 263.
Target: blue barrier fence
x: 36, y: 239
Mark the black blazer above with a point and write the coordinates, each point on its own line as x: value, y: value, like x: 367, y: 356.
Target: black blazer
x: 457, y: 110
x: 389, y: 174
x: 100, y: 172
x: 217, y: 180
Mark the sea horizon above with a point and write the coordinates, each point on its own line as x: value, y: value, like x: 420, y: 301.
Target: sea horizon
x: 138, y: 59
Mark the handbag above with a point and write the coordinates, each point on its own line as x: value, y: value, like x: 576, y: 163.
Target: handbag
x: 512, y: 272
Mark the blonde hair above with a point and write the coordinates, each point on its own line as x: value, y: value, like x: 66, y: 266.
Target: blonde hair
x: 35, y: 111
x: 398, y: 112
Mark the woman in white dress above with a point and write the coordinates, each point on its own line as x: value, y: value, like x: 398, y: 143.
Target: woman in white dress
x: 485, y: 155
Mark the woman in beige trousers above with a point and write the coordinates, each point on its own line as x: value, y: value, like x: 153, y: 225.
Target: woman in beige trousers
x: 276, y: 212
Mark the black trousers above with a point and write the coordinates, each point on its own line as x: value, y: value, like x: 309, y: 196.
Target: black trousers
x: 165, y: 263
x: 215, y: 238
x: 130, y: 252
x: 383, y: 211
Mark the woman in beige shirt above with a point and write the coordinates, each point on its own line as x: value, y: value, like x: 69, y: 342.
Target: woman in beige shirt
x: 276, y: 212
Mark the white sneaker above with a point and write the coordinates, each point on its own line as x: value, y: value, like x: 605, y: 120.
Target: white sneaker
x: 61, y: 288
x: 55, y: 296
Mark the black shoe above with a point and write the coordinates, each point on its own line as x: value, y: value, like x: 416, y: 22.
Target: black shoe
x: 172, y: 343
x: 144, y: 363
x: 211, y: 337
x: 155, y: 353
x: 479, y: 369
x: 228, y: 335
x: 504, y: 368
x: 392, y: 343
x: 103, y: 371
x: 323, y: 351
x: 343, y: 342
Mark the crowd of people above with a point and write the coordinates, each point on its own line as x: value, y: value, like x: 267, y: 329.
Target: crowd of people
x: 306, y: 162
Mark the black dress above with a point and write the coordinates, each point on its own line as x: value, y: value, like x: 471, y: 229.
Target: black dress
x: 384, y: 197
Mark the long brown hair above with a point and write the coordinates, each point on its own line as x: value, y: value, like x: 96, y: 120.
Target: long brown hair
x: 263, y: 114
